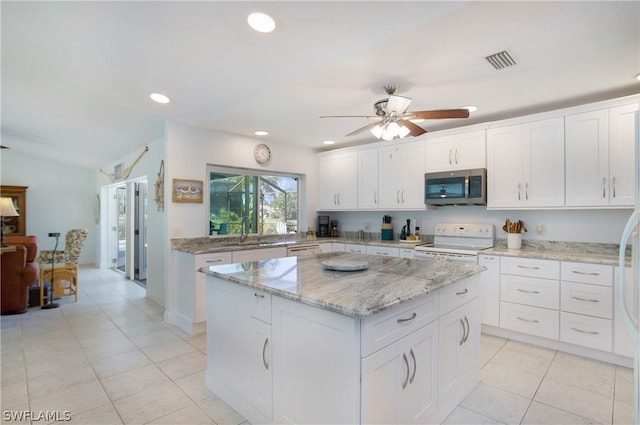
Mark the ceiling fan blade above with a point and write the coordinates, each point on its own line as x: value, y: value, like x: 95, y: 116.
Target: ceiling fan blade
x: 415, y: 129
x: 349, y: 116
x: 438, y: 114
x: 397, y: 104
x: 361, y: 129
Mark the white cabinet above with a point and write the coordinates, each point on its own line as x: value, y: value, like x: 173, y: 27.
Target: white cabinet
x: 460, y: 151
x: 258, y: 254
x: 339, y: 177
x: 368, y: 179
x: 399, y: 381
x: 401, y: 175
x: 525, y: 165
x: 355, y: 248
x: 600, y: 157
x: 623, y: 342
x: 387, y: 251
x: 490, y: 290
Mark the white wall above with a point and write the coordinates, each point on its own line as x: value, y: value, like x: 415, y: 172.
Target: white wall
x: 598, y: 226
x: 60, y: 197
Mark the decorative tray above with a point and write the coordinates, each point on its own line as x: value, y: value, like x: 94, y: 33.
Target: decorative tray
x: 418, y: 242
x: 345, y: 265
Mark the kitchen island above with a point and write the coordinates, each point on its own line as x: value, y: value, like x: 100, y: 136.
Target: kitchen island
x: 291, y: 342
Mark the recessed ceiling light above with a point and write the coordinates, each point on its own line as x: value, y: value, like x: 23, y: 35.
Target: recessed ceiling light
x: 260, y: 133
x: 261, y: 22
x: 470, y: 108
x: 160, y: 98
x: 328, y: 142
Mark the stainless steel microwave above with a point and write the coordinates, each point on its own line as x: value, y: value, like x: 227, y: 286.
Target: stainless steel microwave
x: 462, y: 187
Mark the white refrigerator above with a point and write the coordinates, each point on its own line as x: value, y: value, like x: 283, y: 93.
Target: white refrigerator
x: 629, y: 290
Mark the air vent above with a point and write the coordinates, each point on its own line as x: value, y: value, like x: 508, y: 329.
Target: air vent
x: 501, y: 60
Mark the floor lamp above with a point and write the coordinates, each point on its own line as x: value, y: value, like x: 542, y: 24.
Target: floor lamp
x: 51, y: 304
x: 7, y: 209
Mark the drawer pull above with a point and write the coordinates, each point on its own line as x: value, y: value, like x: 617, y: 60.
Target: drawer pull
x: 464, y: 332
x: 529, y: 267
x: 382, y: 253
x: 585, y: 273
x: 264, y: 352
x: 406, y: 363
x: 585, y: 299
x: 462, y: 292
x: 213, y: 261
x: 528, y: 292
x: 585, y: 332
x: 258, y: 295
x: 527, y: 320
x: 408, y: 319
x: 468, y: 329
x: 415, y: 366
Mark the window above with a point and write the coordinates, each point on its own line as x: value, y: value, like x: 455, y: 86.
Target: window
x: 264, y: 204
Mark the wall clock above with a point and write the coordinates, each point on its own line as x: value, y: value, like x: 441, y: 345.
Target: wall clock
x: 262, y: 154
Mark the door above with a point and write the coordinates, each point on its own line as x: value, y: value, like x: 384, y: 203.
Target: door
x: 140, y: 232
x: 121, y: 228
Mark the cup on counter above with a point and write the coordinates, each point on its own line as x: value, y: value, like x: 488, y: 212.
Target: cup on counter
x: 514, y: 240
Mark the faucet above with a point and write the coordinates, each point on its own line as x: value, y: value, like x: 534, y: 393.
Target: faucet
x: 243, y: 228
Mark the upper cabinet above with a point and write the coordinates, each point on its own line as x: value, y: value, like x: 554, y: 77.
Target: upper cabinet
x: 339, y: 181
x: 525, y: 165
x: 600, y: 157
x: 461, y: 151
x: 368, y: 195
x: 401, y: 175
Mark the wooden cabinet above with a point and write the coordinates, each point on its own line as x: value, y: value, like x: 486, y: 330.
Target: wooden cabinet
x: 339, y: 181
x: 525, y: 165
x: 368, y: 179
x: 16, y: 226
x: 600, y: 157
x: 490, y: 290
x: 461, y: 151
x: 401, y: 175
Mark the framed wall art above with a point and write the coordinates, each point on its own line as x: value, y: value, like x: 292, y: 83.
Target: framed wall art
x: 187, y: 191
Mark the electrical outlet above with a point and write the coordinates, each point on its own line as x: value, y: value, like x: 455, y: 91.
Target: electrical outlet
x: 539, y: 229
x: 54, y: 235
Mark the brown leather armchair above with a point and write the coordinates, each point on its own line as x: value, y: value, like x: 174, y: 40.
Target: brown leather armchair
x: 19, y: 270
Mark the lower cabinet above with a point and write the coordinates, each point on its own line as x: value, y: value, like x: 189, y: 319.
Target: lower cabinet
x: 399, y: 384
x: 490, y: 290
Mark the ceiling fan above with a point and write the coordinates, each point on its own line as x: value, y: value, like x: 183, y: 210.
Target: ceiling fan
x: 394, y: 121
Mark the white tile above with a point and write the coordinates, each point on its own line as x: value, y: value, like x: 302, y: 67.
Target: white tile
x: 120, y: 363
x: 167, y: 350
x: 191, y: 415
x: 193, y: 386
x: 151, y: 404
x: 496, y: 403
x: 463, y: 416
x: 184, y: 365
x: 623, y: 413
x: 575, y: 400
x: 134, y: 381
x: 591, y: 376
x: 102, y: 415
x: 518, y: 381
x: 539, y: 413
x: 154, y: 338
x: 220, y: 412
x: 624, y: 385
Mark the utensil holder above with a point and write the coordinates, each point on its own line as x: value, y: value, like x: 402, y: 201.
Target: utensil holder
x: 514, y: 240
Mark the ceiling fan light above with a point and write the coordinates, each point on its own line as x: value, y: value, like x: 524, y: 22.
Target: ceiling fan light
x: 403, y: 132
x: 377, y: 131
x: 386, y: 136
x: 397, y: 104
x: 261, y: 22
x: 393, y: 129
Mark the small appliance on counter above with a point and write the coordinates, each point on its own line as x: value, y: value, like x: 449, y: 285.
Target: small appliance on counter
x: 334, y: 228
x: 386, y: 231
x: 323, y: 226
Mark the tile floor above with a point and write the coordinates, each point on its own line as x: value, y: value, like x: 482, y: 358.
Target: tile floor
x: 110, y: 359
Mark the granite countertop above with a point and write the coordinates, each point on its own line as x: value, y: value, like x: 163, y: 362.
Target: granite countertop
x: 386, y: 282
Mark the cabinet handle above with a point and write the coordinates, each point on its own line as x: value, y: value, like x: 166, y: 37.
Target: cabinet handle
x: 255, y: 294
x: 375, y: 197
x: 408, y: 319
x: 415, y: 366
x: 338, y: 199
x: 381, y: 253
x: 526, y: 191
x: 462, y: 292
x: 529, y: 267
x: 464, y: 333
x: 585, y: 332
x: 403, y: 196
x: 397, y: 196
x: 613, y: 187
x: 264, y: 352
x: 519, y: 189
x: 604, y: 184
x: 585, y: 273
x: 527, y: 320
x: 456, y: 156
x: 450, y: 160
x: 468, y: 328
x: 528, y: 292
x: 214, y: 261
x: 334, y: 199
x: 406, y: 379
x: 586, y: 300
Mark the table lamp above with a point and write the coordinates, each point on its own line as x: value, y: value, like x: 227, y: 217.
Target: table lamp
x: 6, y: 210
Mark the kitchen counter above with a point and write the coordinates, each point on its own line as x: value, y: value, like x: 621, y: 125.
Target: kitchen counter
x: 386, y: 282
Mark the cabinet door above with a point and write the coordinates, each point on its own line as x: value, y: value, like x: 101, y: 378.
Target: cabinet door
x: 387, y: 251
x: 622, y: 128
x: 411, y: 171
x: 458, y: 349
x: 490, y: 290
x: 368, y: 179
x: 439, y: 154
x: 469, y: 150
x: 504, y: 167
x: 388, y: 186
x: 329, y: 178
x: 348, y: 181
x: 587, y: 158
x: 399, y: 383
x: 543, y: 160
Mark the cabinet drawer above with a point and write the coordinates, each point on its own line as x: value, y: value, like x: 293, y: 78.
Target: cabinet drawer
x: 454, y: 295
x: 592, y: 300
x: 355, y: 249
x: 383, y: 250
x: 531, y: 320
x: 407, y: 253
x: 260, y: 305
x: 596, y: 274
x: 213, y: 259
x: 390, y: 325
x: 258, y: 254
x: 530, y: 291
x: 546, y: 269
x: 586, y: 331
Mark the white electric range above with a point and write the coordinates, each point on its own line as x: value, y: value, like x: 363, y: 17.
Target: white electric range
x: 457, y: 242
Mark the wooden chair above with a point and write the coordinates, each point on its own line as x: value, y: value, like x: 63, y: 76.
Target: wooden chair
x: 63, y: 280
